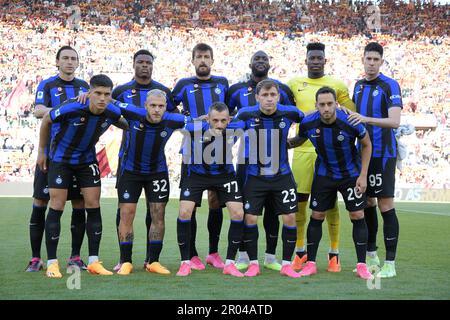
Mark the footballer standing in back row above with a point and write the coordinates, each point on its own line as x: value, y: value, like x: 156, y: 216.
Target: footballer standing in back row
x: 50, y: 94
x: 197, y: 94
x: 240, y: 95
x: 135, y: 92
x: 304, y: 89
x: 378, y: 102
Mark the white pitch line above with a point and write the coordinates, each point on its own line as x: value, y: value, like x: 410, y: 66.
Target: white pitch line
x: 426, y: 212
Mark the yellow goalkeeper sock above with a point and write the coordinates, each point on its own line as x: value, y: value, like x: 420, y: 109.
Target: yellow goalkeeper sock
x: 300, y: 219
x: 333, y: 228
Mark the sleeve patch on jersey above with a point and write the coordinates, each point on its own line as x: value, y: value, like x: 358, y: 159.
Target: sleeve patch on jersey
x: 57, y: 113
x: 40, y: 94
x: 396, y: 96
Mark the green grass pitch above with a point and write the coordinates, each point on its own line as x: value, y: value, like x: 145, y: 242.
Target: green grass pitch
x: 423, y: 261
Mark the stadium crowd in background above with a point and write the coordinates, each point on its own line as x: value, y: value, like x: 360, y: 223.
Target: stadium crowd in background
x: 415, y: 37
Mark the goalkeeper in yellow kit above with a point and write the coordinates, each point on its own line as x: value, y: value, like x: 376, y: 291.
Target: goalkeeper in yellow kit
x: 304, y: 90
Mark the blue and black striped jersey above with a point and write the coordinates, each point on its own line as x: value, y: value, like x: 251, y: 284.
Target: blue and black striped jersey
x: 136, y: 94
x: 243, y: 94
x: 78, y: 131
x: 53, y: 91
x: 208, y: 154
x: 267, y: 134
x: 335, y: 144
x: 373, y: 99
x: 146, y: 141
x: 198, y: 95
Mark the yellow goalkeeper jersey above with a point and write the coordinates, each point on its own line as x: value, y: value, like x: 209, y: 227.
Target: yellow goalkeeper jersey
x: 304, y: 90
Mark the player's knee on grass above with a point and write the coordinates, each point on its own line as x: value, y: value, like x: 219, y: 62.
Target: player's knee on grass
x: 289, y: 220
x: 236, y: 210
x: 213, y: 200
x: 78, y: 204
x: 40, y: 202
x: 385, y: 204
x: 356, y: 215
x: 318, y: 215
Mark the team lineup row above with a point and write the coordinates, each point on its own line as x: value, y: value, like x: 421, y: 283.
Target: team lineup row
x: 76, y: 126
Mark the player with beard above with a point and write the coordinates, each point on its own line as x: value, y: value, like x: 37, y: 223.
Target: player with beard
x: 197, y: 94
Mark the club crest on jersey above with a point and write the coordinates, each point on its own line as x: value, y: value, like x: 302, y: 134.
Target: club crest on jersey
x: 126, y: 195
x: 82, y: 119
x: 282, y: 125
x: 340, y: 137
x: 317, y: 131
x: 257, y: 120
x: 133, y: 91
x: 45, y: 190
x: 375, y: 93
x: 196, y: 85
x: 249, y: 89
x: 40, y: 94
x: 59, y: 89
x: 163, y: 134
x: 141, y: 125
x: 59, y: 180
x: 217, y: 90
x: 186, y: 193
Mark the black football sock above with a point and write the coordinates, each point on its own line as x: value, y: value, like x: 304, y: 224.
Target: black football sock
x: 360, y: 239
x: 234, y: 238
x: 313, y: 236
x: 52, y: 232
x: 184, y: 237
x: 78, y: 227
x: 271, y: 227
x: 148, y: 223
x: 289, y: 237
x: 154, y: 247
x: 193, y: 224
x: 94, y: 230
x: 37, y: 226
x: 370, y: 215
x: 391, y: 232
x: 215, y: 220
x: 251, y: 240
x: 126, y: 251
